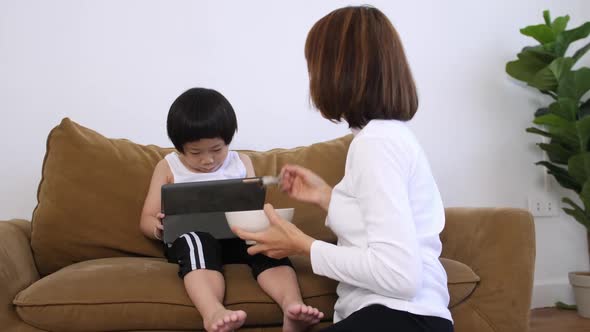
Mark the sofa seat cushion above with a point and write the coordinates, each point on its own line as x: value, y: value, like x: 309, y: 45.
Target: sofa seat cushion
x: 119, y: 294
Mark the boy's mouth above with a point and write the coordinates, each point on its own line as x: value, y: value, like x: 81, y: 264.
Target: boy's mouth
x: 209, y: 169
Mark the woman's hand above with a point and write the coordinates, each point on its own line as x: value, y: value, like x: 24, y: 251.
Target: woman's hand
x: 280, y: 239
x: 304, y: 185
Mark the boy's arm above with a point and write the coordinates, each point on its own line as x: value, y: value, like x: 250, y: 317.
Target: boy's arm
x: 150, y: 223
x: 248, y: 163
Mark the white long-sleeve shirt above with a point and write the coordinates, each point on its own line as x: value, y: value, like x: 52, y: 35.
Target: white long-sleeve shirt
x: 387, y: 214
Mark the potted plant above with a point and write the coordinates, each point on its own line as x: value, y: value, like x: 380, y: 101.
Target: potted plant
x: 565, y: 122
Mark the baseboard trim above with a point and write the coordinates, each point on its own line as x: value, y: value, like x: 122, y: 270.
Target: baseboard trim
x: 547, y: 292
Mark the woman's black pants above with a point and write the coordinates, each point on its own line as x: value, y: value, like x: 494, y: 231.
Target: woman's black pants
x: 378, y: 318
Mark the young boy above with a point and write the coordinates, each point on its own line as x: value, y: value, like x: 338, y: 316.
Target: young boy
x: 201, y: 124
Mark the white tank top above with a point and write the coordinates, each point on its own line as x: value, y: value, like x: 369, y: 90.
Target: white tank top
x: 232, y: 168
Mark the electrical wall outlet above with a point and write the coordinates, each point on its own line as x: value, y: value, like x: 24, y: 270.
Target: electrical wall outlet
x: 543, y: 206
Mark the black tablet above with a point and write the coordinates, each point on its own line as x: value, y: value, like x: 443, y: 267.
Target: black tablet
x: 201, y: 206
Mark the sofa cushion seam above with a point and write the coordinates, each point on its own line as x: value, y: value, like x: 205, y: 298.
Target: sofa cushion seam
x: 28, y: 305
x: 483, y: 317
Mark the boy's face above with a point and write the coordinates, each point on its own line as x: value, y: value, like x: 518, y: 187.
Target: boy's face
x: 205, y: 155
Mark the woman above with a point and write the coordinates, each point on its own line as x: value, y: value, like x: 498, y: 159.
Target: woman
x: 386, y: 212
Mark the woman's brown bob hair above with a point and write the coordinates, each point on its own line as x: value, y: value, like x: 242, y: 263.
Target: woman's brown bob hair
x: 358, y: 69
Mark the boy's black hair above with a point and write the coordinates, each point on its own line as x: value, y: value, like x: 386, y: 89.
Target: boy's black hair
x: 200, y: 113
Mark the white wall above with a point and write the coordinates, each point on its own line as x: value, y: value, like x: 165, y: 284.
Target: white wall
x: 115, y: 66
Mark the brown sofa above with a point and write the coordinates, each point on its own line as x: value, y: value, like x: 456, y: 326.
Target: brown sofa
x: 83, y: 265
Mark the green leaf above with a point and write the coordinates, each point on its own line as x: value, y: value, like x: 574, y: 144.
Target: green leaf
x: 579, y: 167
x: 564, y: 39
x: 580, y: 53
x: 530, y: 61
x: 541, y: 32
x: 534, y: 130
x: 562, y: 176
x: 544, y: 79
x: 585, y: 109
x: 560, y: 66
x: 583, y: 132
x: 576, y: 212
x: 560, y: 24
x: 554, y: 139
x: 549, y: 93
x: 521, y: 70
x: 561, y: 129
x: 565, y: 108
x: 541, y: 111
x: 573, y: 205
x: 574, y: 84
x: 547, y: 78
x: 564, y: 306
x: 547, y: 17
x: 585, y: 197
x: 550, y: 48
x: 578, y: 33
x: 540, y: 53
x: 556, y: 152
x: 582, y: 79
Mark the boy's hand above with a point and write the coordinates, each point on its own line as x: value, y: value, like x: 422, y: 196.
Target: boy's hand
x: 159, y: 229
x: 160, y: 216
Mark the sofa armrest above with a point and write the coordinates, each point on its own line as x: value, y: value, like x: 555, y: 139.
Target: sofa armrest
x: 499, y: 245
x: 17, y: 268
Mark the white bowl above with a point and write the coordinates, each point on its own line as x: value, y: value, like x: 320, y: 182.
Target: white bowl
x: 255, y: 220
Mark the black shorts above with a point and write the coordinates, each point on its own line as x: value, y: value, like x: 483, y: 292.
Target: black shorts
x: 198, y: 250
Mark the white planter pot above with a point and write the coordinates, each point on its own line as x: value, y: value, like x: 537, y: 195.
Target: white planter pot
x: 580, y: 281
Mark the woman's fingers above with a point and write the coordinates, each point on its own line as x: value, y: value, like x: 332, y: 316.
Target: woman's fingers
x: 286, y: 180
x: 277, y: 241
x: 289, y: 173
x: 294, y: 168
x: 265, y: 250
x: 245, y: 235
x: 256, y: 249
x: 272, y: 215
x: 298, y: 171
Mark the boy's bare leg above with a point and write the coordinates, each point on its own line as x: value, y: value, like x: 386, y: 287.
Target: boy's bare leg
x: 206, y: 288
x: 280, y: 283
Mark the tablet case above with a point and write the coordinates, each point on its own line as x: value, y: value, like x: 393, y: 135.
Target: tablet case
x: 201, y: 206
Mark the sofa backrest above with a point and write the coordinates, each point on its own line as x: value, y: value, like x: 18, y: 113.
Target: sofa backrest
x: 92, y: 191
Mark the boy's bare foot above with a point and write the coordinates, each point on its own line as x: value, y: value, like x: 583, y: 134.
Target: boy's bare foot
x: 225, y: 320
x: 299, y: 317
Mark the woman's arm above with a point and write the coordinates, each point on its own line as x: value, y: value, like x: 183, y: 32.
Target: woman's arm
x: 151, y: 214
x: 390, y: 264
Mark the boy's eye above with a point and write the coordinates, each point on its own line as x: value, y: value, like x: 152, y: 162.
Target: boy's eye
x: 216, y: 150
x: 195, y: 153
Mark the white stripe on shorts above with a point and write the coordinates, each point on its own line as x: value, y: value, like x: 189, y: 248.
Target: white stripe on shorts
x: 200, y: 247
x: 192, y: 251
